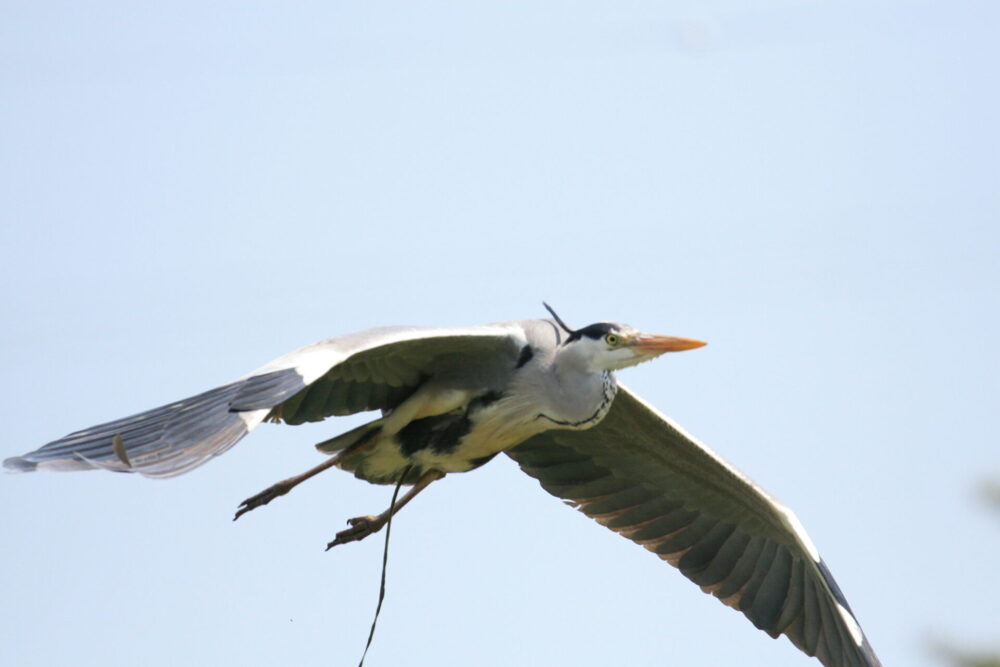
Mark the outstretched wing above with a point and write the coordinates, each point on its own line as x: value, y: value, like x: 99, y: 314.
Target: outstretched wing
x: 370, y: 370
x: 641, y: 476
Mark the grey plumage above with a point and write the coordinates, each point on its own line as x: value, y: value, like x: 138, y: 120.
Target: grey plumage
x: 162, y: 442
x: 452, y: 398
x: 641, y: 476
x: 370, y: 370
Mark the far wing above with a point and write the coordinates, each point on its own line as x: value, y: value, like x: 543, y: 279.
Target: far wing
x: 641, y: 476
x: 370, y: 370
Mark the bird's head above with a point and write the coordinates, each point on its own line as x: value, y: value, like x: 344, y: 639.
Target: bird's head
x: 611, y: 346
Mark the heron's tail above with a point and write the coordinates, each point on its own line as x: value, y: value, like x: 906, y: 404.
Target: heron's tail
x: 352, y: 437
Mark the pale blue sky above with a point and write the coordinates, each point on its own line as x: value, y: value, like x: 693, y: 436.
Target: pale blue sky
x: 190, y: 190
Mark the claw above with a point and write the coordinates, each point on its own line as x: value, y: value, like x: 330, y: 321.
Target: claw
x: 285, y: 485
x: 361, y: 527
x: 262, y: 498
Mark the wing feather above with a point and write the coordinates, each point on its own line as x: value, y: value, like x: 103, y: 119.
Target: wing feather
x: 643, y: 477
x: 384, y: 366
x: 791, y: 611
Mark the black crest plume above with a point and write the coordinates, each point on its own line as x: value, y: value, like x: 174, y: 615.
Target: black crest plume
x: 558, y: 319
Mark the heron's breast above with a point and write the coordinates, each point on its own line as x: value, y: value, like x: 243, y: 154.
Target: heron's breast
x: 582, y: 410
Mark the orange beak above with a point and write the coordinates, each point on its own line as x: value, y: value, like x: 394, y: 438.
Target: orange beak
x: 650, y: 344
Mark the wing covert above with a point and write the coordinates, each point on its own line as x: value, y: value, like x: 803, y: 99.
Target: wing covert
x: 644, y: 478
x: 380, y: 368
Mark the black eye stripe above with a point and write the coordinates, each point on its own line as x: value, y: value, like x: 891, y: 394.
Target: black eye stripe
x: 594, y: 331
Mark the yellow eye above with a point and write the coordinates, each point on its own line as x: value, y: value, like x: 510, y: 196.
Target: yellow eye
x: 612, y: 340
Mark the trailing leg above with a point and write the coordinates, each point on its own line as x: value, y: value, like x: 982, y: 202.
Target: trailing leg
x: 284, y: 486
x: 363, y: 526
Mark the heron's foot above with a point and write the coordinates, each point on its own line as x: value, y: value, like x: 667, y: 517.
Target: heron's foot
x: 361, y: 527
x: 264, y: 497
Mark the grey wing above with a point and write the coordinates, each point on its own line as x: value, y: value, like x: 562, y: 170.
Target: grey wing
x: 641, y: 476
x: 370, y: 370
x: 379, y: 376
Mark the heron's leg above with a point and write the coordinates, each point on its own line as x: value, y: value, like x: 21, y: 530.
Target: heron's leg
x: 284, y: 486
x: 363, y: 526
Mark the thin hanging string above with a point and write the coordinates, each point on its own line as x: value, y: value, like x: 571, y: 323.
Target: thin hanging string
x: 385, y: 561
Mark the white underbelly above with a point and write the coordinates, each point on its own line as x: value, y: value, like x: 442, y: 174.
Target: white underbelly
x: 495, y: 429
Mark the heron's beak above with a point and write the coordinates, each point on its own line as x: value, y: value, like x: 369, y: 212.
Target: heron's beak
x: 656, y: 345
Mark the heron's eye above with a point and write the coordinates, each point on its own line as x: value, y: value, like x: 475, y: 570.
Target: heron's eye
x: 612, y: 340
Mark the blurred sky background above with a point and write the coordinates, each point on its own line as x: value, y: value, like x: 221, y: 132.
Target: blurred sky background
x: 190, y: 189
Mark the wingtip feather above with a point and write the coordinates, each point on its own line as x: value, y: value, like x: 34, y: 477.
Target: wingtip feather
x: 19, y: 464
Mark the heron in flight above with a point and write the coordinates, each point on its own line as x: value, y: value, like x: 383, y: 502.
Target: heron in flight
x: 546, y: 395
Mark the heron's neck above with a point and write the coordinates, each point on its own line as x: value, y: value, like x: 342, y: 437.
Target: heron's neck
x: 577, y: 393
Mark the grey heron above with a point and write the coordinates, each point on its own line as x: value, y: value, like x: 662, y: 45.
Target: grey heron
x: 546, y: 395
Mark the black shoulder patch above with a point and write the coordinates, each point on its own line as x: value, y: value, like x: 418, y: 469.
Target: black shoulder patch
x: 527, y: 354
x: 441, y: 433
